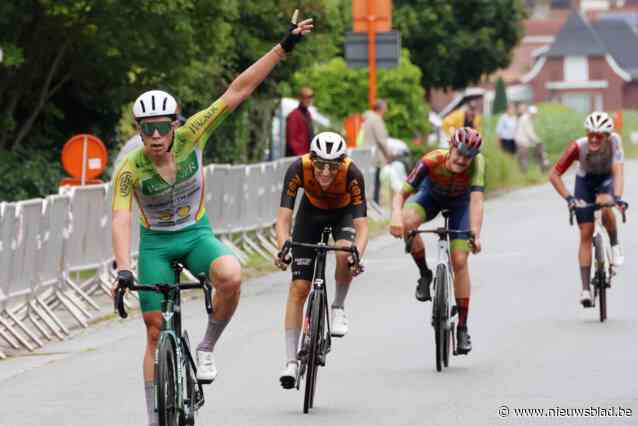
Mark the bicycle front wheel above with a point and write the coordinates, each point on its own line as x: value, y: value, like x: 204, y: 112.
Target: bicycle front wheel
x: 440, y: 317
x: 166, y: 384
x: 313, y: 352
x: 600, y: 279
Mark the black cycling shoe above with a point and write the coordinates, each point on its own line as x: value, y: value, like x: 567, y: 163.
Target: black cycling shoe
x: 463, y: 341
x: 422, y: 292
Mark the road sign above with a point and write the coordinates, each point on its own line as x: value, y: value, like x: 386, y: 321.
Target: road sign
x: 388, y: 49
x: 84, y: 156
x: 361, y: 16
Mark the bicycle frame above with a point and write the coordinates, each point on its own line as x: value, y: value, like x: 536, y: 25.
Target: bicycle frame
x: 171, y: 330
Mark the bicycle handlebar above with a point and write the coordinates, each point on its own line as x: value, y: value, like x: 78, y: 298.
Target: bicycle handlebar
x: 441, y: 232
x: 596, y: 206
x: 288, y: 245
x: 164, y: 288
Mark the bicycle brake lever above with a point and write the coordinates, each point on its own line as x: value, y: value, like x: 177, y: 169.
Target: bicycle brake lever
x: 119, y: 303
x: 203, y: 279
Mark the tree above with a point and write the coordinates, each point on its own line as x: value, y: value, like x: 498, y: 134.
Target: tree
x: 500, y: 97
x: 457, y: 42
x: 340, y: 91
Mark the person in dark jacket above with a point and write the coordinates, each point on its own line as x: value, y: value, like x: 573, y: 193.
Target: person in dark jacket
x: 299, y: 130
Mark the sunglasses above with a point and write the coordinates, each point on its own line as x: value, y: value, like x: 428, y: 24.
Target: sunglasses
x: 321, y: 165
x: 597, y: 136
x: 162, y: 127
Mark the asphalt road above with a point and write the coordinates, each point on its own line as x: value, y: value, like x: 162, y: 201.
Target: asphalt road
x: 534, y: 345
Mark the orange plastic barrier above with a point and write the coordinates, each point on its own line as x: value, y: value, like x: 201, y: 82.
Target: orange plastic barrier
x: 352, y: 124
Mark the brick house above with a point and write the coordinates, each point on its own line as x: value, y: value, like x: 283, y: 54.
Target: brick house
x: 588, y: 66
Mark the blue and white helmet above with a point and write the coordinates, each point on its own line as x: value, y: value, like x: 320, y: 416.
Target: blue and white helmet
x: 328, y: 146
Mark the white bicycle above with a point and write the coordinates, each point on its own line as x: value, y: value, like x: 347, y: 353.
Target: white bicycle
x: 603, y: 270
x: 444, y: 309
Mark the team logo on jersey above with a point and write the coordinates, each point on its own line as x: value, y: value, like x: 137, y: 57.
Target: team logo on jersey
x: 183, y: 211
x: 165, y: 215
x: 126, y: 183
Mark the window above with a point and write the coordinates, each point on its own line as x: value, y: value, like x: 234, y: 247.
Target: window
x: 580, y: 102
x: 576, y: 68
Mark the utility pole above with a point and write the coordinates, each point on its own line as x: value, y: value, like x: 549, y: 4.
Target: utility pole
x: 372, y: 54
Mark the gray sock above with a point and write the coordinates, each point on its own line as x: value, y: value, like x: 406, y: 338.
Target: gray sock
x: 213, y: 331
x: 585, y: 275
x: 292, y: 342
x: 149, y: 392
x: 341, y: 291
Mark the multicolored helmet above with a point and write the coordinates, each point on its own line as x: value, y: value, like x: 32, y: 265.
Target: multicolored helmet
x: 467, y: 140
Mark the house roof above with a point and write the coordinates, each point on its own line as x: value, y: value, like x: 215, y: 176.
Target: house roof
x: 543, y: 27
x: 621, y: 43
x: 576, y: 38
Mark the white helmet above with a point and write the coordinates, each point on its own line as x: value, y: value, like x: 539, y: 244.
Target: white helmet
x: 599, y: 121
x: 154, y: 103
x: 328, y: 146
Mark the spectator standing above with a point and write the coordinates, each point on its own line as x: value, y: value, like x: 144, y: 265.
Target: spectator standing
x: 299, y: 129
x: 527, y: 140
x: 375, y: 134
x: 506, y: 129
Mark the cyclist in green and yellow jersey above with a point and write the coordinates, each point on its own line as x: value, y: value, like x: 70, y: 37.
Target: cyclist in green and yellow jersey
x: 165, y: 176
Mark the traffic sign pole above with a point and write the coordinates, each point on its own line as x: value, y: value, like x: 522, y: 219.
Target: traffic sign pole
x: 372, y: 54
x: 84, y: 159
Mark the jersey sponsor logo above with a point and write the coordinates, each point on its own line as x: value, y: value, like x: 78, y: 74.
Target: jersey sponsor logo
x: 293, y: 185
x: 187, y: 168
x: 199, y: 122
x: 183, y: 211
x: 126, y: 183
x: 302, y: 261
x: 154, y: 186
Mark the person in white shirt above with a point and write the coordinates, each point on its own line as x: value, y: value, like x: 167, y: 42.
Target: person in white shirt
x: 506, y: 129
x: 527, y: 139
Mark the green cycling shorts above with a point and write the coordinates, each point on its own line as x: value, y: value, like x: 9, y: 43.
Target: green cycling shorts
x: 195, y: 245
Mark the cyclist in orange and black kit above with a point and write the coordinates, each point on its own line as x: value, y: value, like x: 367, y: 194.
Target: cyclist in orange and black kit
x: 334, y: 196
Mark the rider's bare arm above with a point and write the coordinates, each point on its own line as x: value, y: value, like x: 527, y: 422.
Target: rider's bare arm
x: 282, y: 226
x: 618, y: 172
x: 476, y: 212
x: 361, y: 230
x: 121, y: 234
x: 246, y: 83
x: 558, y: 184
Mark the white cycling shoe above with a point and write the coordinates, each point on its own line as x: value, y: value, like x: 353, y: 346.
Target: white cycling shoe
x: 288, y: 377
x: 338, y: 323
x: 617, y: 257
x: 585, y: 299
x: 206, y: 369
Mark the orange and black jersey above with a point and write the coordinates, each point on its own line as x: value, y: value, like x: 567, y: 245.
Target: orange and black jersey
x: 346, y: 190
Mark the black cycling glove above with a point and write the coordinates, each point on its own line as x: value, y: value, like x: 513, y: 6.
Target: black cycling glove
x: 290, y: 40
x: 125, y: 278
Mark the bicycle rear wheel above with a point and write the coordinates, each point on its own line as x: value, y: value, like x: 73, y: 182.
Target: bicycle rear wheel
x: 166, y: 384
x: 439, y: 317
x: 313, y: 349
x: 600, y: 278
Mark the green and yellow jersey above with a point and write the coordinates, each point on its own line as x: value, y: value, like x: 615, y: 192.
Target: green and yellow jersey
x: 164, y: 206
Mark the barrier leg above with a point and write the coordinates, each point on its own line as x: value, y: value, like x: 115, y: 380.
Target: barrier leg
x: 25, y: 330
x: 51, y: 315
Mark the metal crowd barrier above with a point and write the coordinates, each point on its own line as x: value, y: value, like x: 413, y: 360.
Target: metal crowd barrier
x: 56, y: 253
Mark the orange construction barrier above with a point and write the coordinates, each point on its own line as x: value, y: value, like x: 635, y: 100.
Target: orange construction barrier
x: 618, y: 120
x: 352, y: 124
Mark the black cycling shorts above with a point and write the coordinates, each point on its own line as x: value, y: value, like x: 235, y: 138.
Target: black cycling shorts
x: 309, y: 224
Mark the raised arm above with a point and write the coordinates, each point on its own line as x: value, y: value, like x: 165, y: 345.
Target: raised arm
x: 246, y: 83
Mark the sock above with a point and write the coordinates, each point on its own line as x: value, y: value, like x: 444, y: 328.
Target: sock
x: 463, y: 305
x: 213, y: 331
x: 149, y: 392
x: 292, y: 342
x: 613, y: 238
x: 419, y: 259
x: 585, y: 276
x: 341, y: 290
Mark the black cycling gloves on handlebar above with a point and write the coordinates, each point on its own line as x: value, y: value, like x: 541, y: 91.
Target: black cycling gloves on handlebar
x: 125, y: 278
x: 571, y: 201
x: 620, y: 202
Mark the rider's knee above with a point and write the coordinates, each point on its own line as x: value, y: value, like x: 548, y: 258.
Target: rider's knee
x: 227, y: 275
x: 459, y: 260
x: 299, y: 290
x: 153, y: 326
